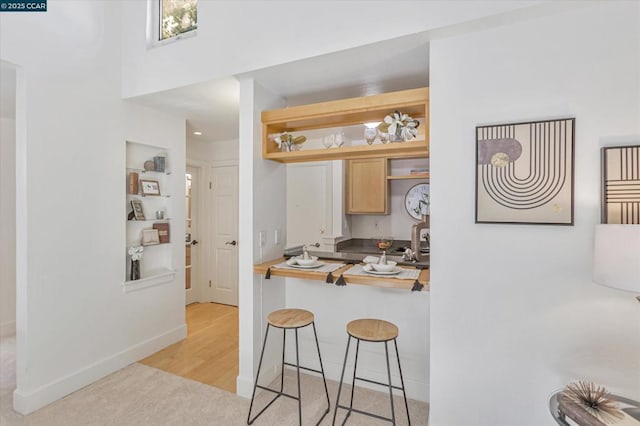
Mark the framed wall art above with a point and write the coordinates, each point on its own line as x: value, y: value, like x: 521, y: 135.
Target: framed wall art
x: 621, y: 185
x: 524, y: 172
x: 150, y: 187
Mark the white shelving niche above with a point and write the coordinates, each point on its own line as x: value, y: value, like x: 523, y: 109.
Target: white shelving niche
x: 156, y: 266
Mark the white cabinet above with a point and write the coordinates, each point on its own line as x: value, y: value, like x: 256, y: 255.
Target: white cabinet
x: 148, y: 192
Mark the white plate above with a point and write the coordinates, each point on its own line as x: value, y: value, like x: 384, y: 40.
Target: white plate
x: 315, y: 265
x: 394, y: 272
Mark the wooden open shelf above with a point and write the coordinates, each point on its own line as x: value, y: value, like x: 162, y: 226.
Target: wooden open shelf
x: 422, y: 176
x: 347, y: 112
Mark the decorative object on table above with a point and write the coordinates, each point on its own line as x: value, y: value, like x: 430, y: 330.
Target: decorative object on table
x: 370, y: 135
x: 163, y: 232
x: 524, y: 172
x: 150, y: 237
x: 621, y: 184
x: 616, y: 257
x: 159, y: 163
x: 400, y: 127
x: 384, y: 243
x: 288, y: 143
x: 150, y: 187
x: 138, y: 213
x: 133, y: 183
x: 159, y: 214
x: 416, y: 200
x: 136, y: 255
x: 149, y: 166
x: 593, y: 399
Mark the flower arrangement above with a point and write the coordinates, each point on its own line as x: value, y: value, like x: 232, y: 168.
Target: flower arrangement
x: 136, y: 252
x: 286, y: 141
x: 401, y: 125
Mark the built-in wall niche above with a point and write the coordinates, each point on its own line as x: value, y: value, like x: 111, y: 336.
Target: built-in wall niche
x: 147, y: 213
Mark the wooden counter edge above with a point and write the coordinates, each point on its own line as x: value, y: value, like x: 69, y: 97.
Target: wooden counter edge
x: 349, y: 279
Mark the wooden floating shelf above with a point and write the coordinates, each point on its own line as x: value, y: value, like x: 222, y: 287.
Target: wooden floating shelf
x: 347, y: 112
x: 418, y: 148
x: 405, y: 177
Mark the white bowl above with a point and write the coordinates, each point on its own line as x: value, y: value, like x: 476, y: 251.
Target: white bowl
x: 306, y: 262
x: 384, y: 268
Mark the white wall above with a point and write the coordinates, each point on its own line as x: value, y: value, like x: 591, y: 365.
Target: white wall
x: 262, y: 207
x: 74, y: 323
x: 7, y: 226
x: 514, y: 313
x: 212, y: 151
x: 235, y: 37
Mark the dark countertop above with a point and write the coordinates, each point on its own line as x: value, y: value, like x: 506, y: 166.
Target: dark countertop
x: 355, y: 257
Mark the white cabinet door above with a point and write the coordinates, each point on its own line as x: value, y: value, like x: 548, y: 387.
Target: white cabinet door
x: 309, y: 204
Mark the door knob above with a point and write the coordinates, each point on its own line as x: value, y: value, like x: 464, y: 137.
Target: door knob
x: 194, y: 242
x: 231, y: 243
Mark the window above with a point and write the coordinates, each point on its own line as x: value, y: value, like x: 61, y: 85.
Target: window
x: 177, y: 17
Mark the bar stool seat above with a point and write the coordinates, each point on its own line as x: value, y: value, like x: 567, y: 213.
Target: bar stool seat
x: 372, y: 330
x: 289, y: 319
x: 375, y: 331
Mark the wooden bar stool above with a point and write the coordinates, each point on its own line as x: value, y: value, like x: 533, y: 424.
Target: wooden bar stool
x: 371, y: 330
x: 289, y: 319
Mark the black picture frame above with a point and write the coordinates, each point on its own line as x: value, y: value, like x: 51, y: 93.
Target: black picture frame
x: 525, y: 173
x: 620, y: 185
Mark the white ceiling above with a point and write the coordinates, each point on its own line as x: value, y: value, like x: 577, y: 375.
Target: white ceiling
x: 7, y: 91
x: 212, y: 107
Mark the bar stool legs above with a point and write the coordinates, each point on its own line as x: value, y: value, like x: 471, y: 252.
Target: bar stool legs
x: 298, y: 367
x: 358, y: 334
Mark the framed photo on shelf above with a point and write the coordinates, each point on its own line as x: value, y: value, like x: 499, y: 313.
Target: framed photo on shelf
x: 150, y: 237
x: 150, y: 187
x: 138, y: 213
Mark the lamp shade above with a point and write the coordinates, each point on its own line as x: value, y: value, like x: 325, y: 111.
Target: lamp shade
x: 616, y: 257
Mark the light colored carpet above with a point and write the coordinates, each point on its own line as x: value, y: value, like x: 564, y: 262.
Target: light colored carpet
x: 141, y: 395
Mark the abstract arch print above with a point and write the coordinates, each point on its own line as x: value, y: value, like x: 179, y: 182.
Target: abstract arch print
x: 525, y: 172
x: 621, y: 185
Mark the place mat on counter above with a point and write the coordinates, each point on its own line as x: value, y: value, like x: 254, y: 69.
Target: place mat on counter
x: 405, y: 274
x: 327, y: 267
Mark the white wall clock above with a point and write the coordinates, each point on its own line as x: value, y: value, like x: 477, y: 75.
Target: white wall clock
x: 416, y: 200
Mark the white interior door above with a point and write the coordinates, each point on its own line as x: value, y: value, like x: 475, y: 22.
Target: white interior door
x: 224, y: 230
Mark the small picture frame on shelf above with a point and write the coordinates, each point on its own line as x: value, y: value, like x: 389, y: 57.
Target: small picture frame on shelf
x: 138, y: 213
x: 150, y: 237
x: 149, y: 187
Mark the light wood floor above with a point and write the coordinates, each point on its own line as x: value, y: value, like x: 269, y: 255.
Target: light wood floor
x: 209, y: 354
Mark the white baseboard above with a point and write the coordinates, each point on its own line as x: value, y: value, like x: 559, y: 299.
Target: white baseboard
x: 244, y: 385
x: 26, y: 402
x: 8, y: 329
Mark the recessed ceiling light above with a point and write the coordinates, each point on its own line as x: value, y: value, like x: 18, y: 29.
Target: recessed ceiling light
x: 197, y: 133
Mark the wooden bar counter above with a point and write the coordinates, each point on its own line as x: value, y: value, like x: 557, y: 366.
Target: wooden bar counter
x: 375, y: 281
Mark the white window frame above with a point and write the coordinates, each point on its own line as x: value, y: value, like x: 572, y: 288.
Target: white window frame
x: 153, y: 27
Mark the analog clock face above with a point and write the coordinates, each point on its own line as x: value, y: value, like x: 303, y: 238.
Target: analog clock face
x: 416, y: 201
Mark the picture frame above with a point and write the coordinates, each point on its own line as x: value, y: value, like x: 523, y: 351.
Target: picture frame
x: 620, y: 190
x: 149, y: 187
x: 525, y: 173
x: 150, y: 237
x: 138, y: 212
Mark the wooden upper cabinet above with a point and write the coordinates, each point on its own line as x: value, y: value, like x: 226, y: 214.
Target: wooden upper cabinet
x: 348, y: 112
x: 367, y: 188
